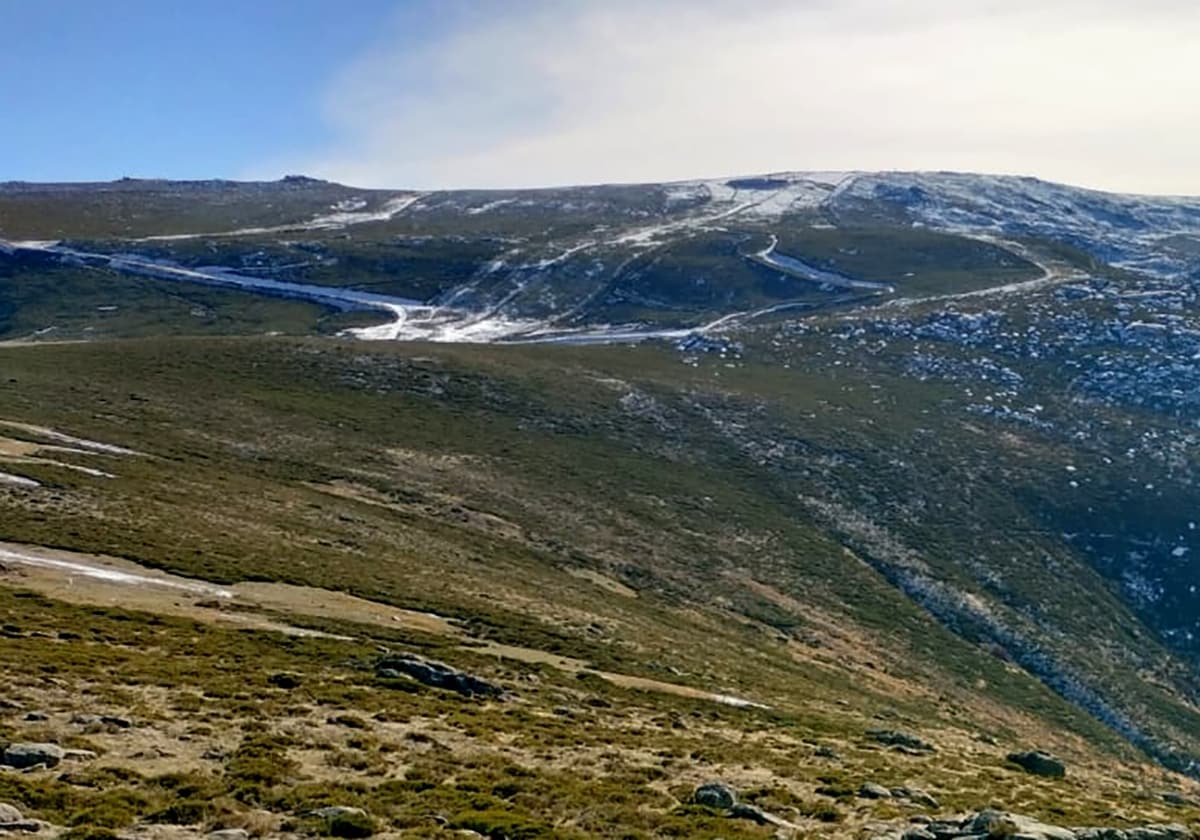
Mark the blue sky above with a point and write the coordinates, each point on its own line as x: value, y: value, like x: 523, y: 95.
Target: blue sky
x: 97, y: 89
x: 500, y: 93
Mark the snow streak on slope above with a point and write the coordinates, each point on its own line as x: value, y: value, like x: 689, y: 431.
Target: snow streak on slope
x: 344, y: 213
x: 544, y: 277
x: 1153, y: 235
x: 798, y: 268
x: 766, y: 196
x: 411, y: 320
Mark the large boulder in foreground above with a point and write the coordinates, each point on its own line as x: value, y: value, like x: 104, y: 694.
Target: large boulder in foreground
x: 23, y: 755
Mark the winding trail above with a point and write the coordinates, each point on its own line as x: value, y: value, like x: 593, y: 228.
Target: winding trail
x: 329, y: 221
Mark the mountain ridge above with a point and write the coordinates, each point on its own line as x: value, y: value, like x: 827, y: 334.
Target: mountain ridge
x: 819, y: 175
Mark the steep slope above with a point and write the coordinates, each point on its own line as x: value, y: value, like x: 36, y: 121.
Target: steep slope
x: 918, y: 450
x: 601, y: 531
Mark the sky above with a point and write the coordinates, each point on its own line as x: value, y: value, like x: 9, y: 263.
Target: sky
x: 501, y: 93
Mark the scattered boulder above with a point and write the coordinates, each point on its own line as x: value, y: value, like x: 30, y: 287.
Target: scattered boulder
x: 742, y: 811
x: 944, y: 828
x: 916, y: 796
x: 26, y: 826
x: 115, y: 721
x: 25, y: 755
x: 79, y: 755
x: 918, y: 833
x: 1100, y: 834
x: 284, y: 680
x: 827, y: 752
x: 437, y: 674
x: 229, y: 834
x: 993, y: 823
x: 1039, y: 763
x: 346, y: 821
x: 870, y: 790
x: 36, y: 716
x: 715, y: 795
x: 331, y: 811
x: 9, y: 813
x: 1173, y: 831
x: 902, y: 740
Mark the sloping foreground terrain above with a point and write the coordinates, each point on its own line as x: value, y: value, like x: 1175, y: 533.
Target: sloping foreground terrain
x: 846, y: 548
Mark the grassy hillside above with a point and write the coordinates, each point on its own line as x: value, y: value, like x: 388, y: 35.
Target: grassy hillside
x: 586, y: 503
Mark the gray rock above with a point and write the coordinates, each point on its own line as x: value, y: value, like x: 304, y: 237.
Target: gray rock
x: 436, y: 674
x: 27, y: 826
x: 1100, y: 834
x: 1173, y: 798
x: 9, y: 813
x: 916, y: 796
x: 1003, y: 824
x: 742, y: 811
x: 826, y: 752
x: 902, y: 740
x: 715, y: 795
x: 945, y: 828
x: 117, y: 721
x: 36, y: 716
x: 79, y: 755
x: 870, y: 790
x: 1039, y: 763
x: 1173, y: 831
x: 329, y: 812
x: 23, y: 755
x: 918, y: 834
x: 229, y: 834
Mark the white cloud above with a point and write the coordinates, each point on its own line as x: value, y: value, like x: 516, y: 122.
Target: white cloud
x: 1101, y: 93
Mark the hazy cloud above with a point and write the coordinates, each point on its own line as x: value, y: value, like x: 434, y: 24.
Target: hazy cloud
x: 1097, y: 93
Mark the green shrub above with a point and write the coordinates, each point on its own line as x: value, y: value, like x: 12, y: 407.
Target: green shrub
x: 350, y: 825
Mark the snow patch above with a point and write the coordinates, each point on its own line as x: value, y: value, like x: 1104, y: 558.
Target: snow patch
x: 18, y: 480
x: 109, y: 574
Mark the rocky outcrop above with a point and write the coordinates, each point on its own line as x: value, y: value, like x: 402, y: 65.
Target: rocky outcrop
x: 1039, y: 763
x: 722, y: 797
x: 9, y: 813
x: 26, y: 755
x: 228, y: 834
x: 870, y: 790
x: 916, y: 796
x: 902, y: 741
x: 992, y: 823
x: 436, y: 674
x: 715, y: 795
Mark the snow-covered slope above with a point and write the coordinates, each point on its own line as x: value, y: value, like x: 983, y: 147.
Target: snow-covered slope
x: 639, y: 260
